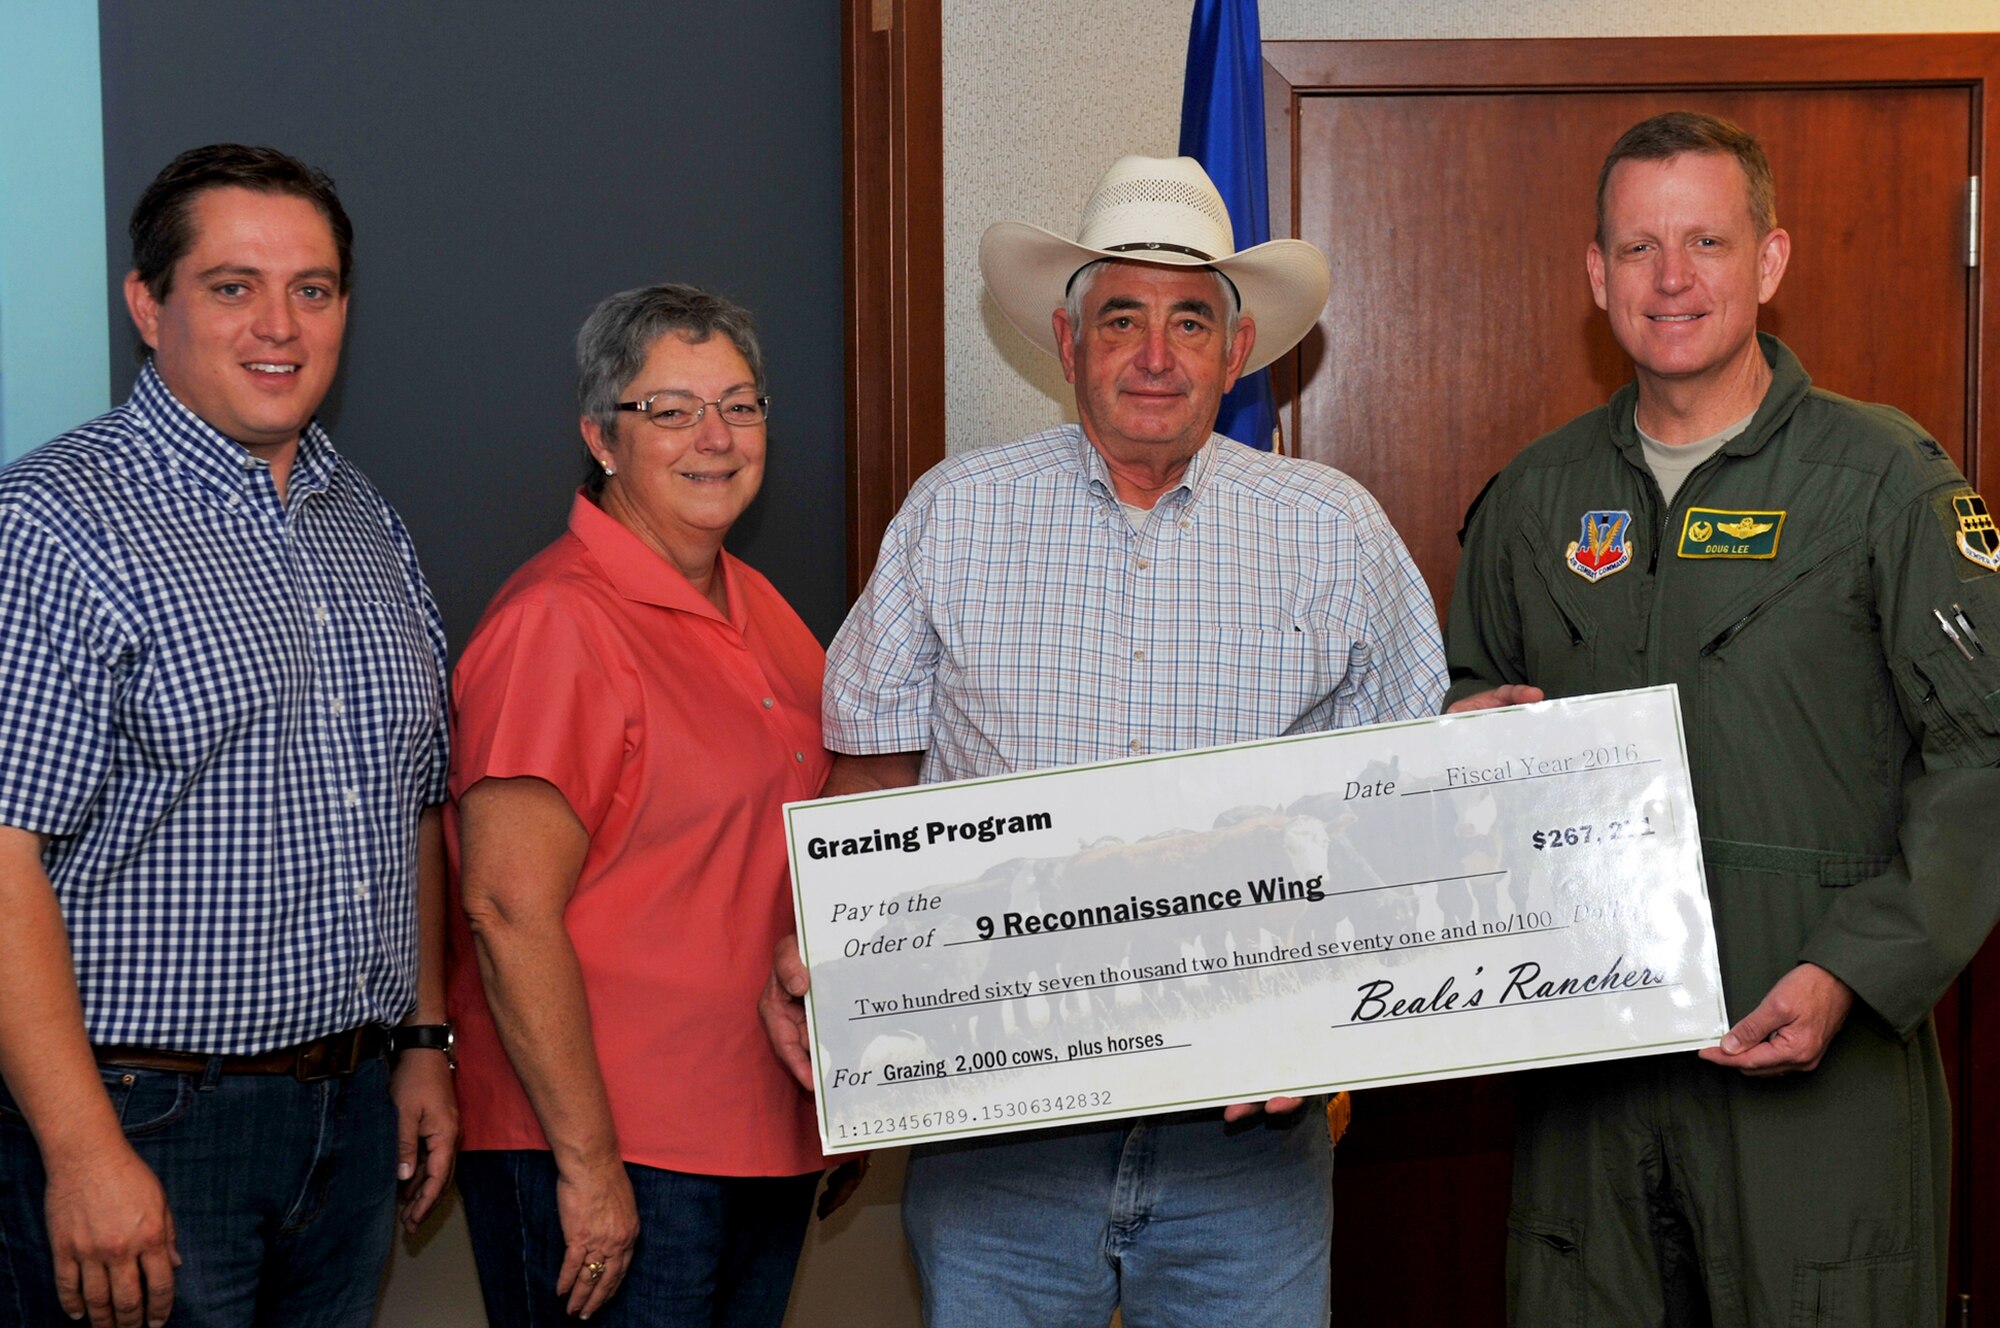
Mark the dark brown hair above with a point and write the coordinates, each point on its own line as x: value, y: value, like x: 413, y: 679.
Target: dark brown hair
x: 162, y: 229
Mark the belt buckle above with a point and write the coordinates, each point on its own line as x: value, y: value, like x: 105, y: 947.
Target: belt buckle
x: 327, y: 1058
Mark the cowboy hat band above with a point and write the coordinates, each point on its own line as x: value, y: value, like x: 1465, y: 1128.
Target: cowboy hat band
x: 1159, y: 244
x: 1128, y: 249
x: 1161, y: 211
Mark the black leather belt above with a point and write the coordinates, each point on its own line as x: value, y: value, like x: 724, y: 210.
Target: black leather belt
x: 327, y: 1057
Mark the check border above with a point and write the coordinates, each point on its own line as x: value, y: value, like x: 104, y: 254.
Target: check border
x: 1501, y: 1064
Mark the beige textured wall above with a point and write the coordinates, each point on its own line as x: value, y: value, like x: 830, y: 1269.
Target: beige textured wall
x: 1042, y: 95
x: 1039, y: 97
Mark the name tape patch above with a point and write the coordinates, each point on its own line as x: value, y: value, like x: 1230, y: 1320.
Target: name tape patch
x: 1712, y: 532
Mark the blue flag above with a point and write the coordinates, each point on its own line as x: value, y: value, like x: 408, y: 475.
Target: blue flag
x: 1222, y: 127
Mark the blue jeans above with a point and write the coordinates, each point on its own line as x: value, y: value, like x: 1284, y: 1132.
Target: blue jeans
x: 1179, y: 1220
x: 283, y: 1196
x: 713, y: 1251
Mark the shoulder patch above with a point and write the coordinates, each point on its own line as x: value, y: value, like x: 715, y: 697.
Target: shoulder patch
x: 1711, y: 532
x: 1969, y: 526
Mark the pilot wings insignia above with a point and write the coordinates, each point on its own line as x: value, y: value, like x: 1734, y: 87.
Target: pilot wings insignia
x: 1747, y: 528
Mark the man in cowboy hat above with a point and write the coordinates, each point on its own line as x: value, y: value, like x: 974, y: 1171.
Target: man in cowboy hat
x: 1128, y: 584
x: 1816, y: 575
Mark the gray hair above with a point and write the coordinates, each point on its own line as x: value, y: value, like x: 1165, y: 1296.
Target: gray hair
x: 619, y: 334
x: 1086, y: 276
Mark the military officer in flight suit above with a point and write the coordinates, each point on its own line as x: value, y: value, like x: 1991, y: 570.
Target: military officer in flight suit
x: 1824, y: 586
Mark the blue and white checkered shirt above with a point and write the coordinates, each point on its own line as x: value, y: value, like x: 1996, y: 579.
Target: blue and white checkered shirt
x: 1016, y: 619
x: 226, y: 713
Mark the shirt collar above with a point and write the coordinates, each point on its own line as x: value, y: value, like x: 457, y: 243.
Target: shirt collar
x: 638, y: 573
x: 1089, y: 462
x: 1789, y: 384
x: 192, y: 447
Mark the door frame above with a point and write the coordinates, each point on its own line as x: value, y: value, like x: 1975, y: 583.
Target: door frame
x: 892, y: 135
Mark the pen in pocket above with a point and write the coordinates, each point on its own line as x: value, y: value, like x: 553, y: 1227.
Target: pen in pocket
x: 1951, y: 633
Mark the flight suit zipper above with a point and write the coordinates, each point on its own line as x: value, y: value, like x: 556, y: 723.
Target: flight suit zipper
x: 1664, y: 513
x: 1729, y: 633
x: 1653, y: 500
x: 1936, y: 713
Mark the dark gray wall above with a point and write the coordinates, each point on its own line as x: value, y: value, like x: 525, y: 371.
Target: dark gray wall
x: 506, y: 166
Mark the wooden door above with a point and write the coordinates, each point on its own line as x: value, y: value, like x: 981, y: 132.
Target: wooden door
x: 1451, y: 186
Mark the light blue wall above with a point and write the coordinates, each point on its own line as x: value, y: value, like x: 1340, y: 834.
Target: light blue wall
x: 55, y: 355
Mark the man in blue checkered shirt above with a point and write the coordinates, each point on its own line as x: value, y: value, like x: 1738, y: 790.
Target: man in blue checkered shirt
x: 1130, y: 584
x: 222, y: 750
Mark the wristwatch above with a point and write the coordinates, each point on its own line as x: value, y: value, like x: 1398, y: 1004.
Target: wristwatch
x: 424, y: 1037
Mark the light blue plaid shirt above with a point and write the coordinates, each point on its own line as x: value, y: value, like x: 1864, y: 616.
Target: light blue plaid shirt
x: 1016, y: 620
x: 226, y: 713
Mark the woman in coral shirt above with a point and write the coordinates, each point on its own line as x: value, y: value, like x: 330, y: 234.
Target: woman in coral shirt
x: 630, y: 714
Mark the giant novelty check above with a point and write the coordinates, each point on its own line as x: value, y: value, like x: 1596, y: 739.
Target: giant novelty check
x: 1452, y: 896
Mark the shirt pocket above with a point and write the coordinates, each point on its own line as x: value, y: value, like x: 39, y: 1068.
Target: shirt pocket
x: 1241, y: 684
x: 385, y: 682
x: 1797, y: 652
x: 1821, y: 597
x: 1959, y: 709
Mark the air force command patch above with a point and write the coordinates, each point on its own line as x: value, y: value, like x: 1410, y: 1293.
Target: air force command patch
x: 1976, y: 537
x: 1605, y: 546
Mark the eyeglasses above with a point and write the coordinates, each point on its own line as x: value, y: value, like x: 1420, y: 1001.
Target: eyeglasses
x: 683, y: 410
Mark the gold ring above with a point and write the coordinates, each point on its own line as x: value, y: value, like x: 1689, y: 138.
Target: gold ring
x: 595, y: 1268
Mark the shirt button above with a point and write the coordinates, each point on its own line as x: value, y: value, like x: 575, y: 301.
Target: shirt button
x: 1133, y: 745
x: 361, y: 890
x: 1187, y: 525
x: 768, y: 703
x: 1140, y: 653
x: 320, y: 615
x: 1143, y: 564
x: 800, y: 757
x: 337, y: 706
x: 351, y: 797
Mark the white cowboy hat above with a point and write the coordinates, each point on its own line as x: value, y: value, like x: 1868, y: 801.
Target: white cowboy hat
x: 1161, y: 210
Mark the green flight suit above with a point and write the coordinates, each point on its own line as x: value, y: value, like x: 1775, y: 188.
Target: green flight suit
x: 1844, y: 757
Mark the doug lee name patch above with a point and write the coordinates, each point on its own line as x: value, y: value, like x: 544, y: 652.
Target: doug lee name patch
x: 1710, y: 532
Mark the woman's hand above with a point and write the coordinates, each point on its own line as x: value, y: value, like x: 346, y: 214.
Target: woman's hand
x: 600, y: 1221
x: 522, y: 847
